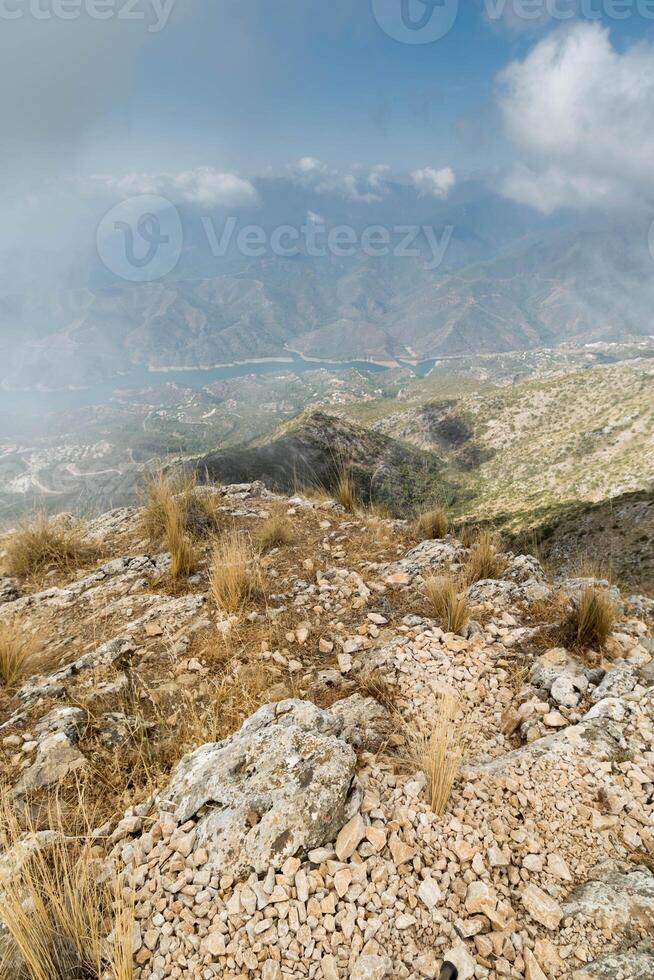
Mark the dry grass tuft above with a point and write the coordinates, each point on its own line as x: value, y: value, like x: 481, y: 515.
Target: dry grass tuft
x: 375, y: 684
x: 156, y: 496
x: 547, y: 611
x: 20, y: 655
x: 161, y: 491
x: 446, y: 603
x: 183, y: 555
x: 232, y: 579
x: 274, y: 532
x: 439, y: 753
x: 432, y: 524
x: 379, y: 510
x: 517, y: 673
x: 484, y: 560
x: 42, y: 544
x: 60, y: 907
x: 345, y: 493
x: 591, y: 620
x: 467, y: 534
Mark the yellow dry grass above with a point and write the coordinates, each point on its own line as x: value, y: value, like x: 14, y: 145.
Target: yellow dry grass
x: 375, y: 684
x: 446, y: 603
x: 592, y: 619
x: 45, y: 543
x: 21, y: 655
x: 66, y: 915
x: 432, y: 524
x: 438, y: 753
x: 232, y: 579
x: 161, y: 492
x: 345, y: 492
x: 183, y: 554
x: 274, y: 532
x: 484, y: 560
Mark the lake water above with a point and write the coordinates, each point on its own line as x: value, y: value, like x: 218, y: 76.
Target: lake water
x: 35, y: 403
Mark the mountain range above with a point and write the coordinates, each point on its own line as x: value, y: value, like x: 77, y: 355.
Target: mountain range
x: 510, y: 279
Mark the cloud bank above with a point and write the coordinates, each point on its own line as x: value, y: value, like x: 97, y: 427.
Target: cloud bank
x: 434, y: 183
x: 203, y: 185
x: 581, y: 115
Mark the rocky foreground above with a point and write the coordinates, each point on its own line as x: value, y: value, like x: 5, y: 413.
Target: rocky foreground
x: 302, y: 842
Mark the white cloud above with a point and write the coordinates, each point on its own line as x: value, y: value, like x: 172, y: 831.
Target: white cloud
x: 434, y: 183
x: 379, y: 176
x: 203, y: 185
x: 310, y: 165
x: 370, y: 188
x: 582, y: 115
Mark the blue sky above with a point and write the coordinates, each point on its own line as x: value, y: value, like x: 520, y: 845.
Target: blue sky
x: 251, y: 84
x: 554, y: 113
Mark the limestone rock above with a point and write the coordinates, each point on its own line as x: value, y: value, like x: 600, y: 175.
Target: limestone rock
x: 532, y: 967
x: 460, y: 957
x: 542, y: 907
x: 616, y: 896
x: 366, y: 723
x: 56, y: 757
x: 617, y: 682
x: 632, y: 965
x: 429, y: 893
x: 349, y: 838
x: 372, y: 968
x: 280, y: 786
x: 71, y: 721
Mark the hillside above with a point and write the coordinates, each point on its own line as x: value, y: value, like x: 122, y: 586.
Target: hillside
x: 250, y: 788
x: 317, y: 450
x: 524, y: 454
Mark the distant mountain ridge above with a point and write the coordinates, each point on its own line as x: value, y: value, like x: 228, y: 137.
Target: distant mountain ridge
x: 510, y: 280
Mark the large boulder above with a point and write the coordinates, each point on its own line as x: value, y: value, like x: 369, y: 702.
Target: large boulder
x: 502, y: 593
x: 618, y: 898
x: 630, y: 964
x: 279, y: 787
x: 524, y: 569
x: 431, y: 557
x: 56, y: 758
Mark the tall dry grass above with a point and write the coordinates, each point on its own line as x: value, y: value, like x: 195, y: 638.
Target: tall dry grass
x: 21, y: 655
x: 274, y: 532
x: 432, y: 524
x: 183, y: 554
x: 446, y: 603
x: 592, y: 619
x: 232, y: 579
x: 484, y: 559
x: 438, y: 753
x: 45, y: 543
x: 345, y: 492
x: 162, y: 492
x: 66, y: 915
x: 155, y: 496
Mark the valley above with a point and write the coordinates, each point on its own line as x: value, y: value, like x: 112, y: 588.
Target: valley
x: 518, y: 439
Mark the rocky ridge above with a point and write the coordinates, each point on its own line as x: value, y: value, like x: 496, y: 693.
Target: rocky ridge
x: 301, y: 843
